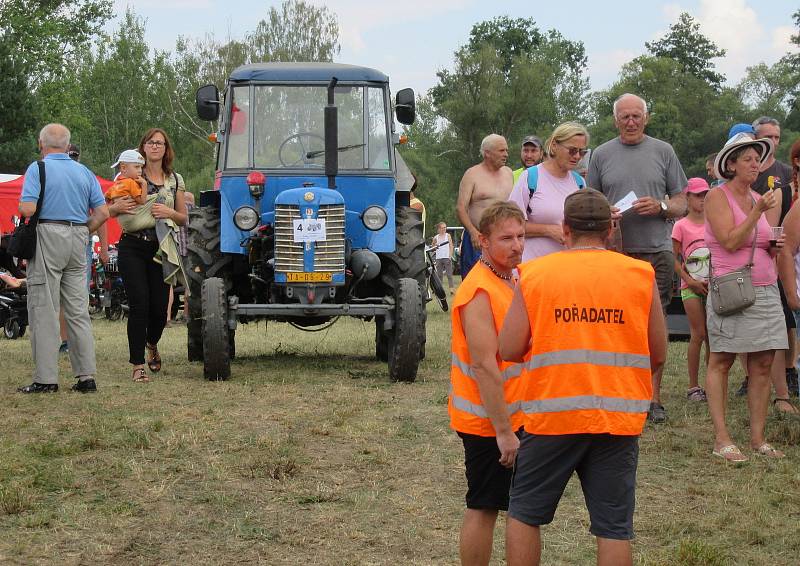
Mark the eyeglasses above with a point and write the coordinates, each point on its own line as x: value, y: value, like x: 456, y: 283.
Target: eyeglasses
x: 573, y: 151
x: 152, y: 143
x: 74, y: 154
x: 625, y: 117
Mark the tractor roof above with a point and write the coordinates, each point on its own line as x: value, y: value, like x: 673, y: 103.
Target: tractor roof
x: 305, y: 72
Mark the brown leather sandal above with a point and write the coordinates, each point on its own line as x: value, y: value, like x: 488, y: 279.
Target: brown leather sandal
x: 154, y: 358
x: 139, y: 376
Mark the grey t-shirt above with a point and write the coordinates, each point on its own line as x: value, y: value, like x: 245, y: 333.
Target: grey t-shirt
x: 648, y: 168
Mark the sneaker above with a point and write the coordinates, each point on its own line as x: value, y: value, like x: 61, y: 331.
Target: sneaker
x: 39, y: 388
x: 657, y: 414
x: 792, y: 382
x: 742, y: 391
x: 86, y: 386
x: 64, y: 348
x: 696, y: 394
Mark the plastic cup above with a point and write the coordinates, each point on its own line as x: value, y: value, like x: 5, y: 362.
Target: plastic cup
x: 777, y: 231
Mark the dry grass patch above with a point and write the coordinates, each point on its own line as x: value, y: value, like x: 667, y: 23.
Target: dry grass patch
x: 310, y: 455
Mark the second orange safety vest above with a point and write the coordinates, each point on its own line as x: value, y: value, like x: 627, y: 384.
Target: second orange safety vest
x: 589, y: 366
x: 467, y: 413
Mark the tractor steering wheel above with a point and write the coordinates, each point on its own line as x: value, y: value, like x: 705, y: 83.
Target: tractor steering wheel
x: 288, y: 147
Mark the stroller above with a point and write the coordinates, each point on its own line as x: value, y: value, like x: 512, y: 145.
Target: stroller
x: 13, y: 301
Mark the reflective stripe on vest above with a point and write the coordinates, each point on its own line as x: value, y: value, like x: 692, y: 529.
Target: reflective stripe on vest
x: 587, y: 374
x: 568, y: 357
x: 475, y: 409
x: 466, y: 409
x: 512, y: 371
x: 584, y: 402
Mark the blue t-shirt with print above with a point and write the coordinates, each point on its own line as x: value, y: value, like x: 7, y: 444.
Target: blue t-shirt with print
x: 70, y: 191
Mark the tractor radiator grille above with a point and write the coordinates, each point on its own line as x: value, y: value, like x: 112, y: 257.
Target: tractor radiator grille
x: 328, y: 255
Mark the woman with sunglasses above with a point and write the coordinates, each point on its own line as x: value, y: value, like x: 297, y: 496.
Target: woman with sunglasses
x: 142, y: 276
x: 542, y: 200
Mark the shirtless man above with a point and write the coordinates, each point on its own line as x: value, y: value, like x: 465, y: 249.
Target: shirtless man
x: 481, y: 185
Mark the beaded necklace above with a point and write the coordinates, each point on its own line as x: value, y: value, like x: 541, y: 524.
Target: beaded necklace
x: 503, y: 276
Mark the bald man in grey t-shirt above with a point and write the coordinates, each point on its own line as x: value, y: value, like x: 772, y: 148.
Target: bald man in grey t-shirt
x: 648, y: 167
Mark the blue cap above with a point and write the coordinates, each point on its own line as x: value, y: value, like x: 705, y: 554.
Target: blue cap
x: 741, y: 129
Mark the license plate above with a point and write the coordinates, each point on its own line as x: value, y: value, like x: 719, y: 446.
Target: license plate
x: 315, y: 277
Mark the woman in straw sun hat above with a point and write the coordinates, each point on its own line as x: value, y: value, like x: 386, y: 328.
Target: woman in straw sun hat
x: 735, y: 214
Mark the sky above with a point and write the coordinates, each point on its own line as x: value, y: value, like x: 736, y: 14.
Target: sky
x: 411, y: 40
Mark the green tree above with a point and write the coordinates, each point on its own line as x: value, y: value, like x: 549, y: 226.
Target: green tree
x: 513, y: 80
x: 792, y: 60
x: 690, y: 49
x: 37, y: 41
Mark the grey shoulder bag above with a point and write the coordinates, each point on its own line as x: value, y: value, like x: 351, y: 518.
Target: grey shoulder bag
x: 734, y: 291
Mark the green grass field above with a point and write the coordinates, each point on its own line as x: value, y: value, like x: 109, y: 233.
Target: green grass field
x: 309, y: 455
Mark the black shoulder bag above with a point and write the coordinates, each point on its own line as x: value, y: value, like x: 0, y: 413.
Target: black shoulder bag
x: 22, y: 244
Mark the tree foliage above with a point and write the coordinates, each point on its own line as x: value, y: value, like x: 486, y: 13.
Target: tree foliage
x: 690, y: 49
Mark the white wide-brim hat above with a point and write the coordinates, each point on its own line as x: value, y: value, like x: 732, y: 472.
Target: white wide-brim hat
x: 129, y: 156
x: 762, y: 146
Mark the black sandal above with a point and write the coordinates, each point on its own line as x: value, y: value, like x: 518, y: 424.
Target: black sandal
x: 154, y: 363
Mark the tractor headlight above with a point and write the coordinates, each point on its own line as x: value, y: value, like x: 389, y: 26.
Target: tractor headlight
x: 245, y: 218
x: 374, y: 218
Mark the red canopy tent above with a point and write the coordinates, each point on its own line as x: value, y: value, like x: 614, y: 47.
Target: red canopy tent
x: 10, y: 190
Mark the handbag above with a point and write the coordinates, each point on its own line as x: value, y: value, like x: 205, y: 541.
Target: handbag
x: 22, y: 244
x: 734, y: 292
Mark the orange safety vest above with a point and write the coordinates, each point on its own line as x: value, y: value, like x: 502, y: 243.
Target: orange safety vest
x: 589, y: 366
x: 467, y: 413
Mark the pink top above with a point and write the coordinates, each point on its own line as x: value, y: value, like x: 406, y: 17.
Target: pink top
x: 722, y: 261
x: 545, y: 207
x: 690, y: 236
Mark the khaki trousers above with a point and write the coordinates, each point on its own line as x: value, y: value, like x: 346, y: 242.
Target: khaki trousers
x: 56, y: 278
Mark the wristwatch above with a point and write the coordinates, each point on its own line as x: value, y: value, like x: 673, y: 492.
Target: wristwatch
x: 663, y: 211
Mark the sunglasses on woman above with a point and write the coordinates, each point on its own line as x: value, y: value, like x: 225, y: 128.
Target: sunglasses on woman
x: 573, y: 151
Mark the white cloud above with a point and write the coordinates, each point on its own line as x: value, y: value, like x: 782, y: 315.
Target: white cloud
x: 604, y: 66
x: 356, y: 17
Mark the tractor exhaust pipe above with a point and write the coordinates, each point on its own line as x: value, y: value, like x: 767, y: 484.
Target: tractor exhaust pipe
x: 331, y: 136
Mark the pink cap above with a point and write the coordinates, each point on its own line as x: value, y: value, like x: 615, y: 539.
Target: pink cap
x: 697, y: 185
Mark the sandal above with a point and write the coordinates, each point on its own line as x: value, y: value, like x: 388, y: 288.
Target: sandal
x: 768, y: 451
x: 791, y: 411
x: 154, y: 361
x: 139, y: 376
x: 696, y: 394
x: 730, y: 453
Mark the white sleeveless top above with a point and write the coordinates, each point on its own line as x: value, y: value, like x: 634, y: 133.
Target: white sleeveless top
x: 443, y: 251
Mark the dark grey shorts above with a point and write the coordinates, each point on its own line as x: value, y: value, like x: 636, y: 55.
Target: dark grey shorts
x: 606, y: 466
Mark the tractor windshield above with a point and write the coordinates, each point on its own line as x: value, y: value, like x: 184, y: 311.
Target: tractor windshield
x: 286, y: 126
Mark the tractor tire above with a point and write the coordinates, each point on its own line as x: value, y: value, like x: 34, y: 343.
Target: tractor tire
x: 203, y: 260
x: 381, y: 341
x: 438, y: 290
x: 408, y: 259
x: 11, y: 329
x: 406, y: 338
x: 216, y: 336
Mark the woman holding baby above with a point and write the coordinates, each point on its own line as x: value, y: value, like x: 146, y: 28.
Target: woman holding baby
x: 139, y: 246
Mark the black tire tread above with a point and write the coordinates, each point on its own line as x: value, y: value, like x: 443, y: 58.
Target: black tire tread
x: 215, y: 332
x: 405, y: 339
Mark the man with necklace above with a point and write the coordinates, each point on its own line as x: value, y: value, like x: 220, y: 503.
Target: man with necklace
x: 483, y: 403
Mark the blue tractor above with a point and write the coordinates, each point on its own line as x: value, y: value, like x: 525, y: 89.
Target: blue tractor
x: 309, y: 218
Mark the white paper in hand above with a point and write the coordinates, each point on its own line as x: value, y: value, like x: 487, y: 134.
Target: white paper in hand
x: 626, y: 203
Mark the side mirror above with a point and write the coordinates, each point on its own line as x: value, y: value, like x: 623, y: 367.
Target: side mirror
x: 405, y: 107
x: 207, y: 100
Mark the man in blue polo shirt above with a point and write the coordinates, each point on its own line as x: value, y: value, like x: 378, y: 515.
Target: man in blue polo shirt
x: 57, y: 273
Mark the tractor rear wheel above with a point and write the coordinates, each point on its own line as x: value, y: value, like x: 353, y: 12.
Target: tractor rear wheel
x: 405, y: 338
x: 216, y: 334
